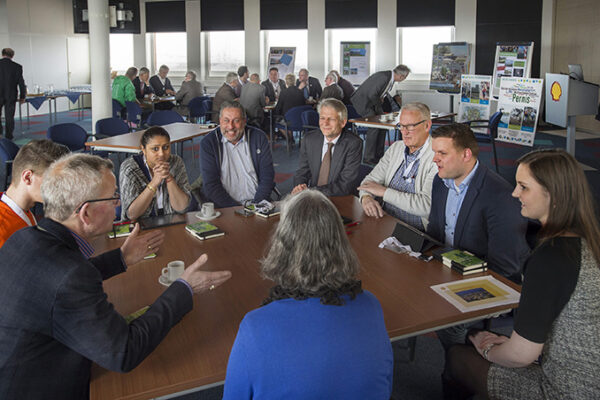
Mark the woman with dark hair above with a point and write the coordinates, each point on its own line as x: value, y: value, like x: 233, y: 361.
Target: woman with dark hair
x: 154, y: 182
x: 318, y: 335
x: 559, y: 312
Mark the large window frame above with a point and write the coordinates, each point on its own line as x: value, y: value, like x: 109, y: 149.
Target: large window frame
x: 175, y: 69
x: 426, y: 48
x: 301, y: 60
x: 214, y: 73
x: 335, y: 36
x: 121, y: 52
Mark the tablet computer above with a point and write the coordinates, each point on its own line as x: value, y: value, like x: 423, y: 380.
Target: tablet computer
x: 161, y: 220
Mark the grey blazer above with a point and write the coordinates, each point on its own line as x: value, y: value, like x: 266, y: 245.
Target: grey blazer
x: 189, y: 90
x: 367, y: 98
x: 253, y: 100
x: 345, y: 163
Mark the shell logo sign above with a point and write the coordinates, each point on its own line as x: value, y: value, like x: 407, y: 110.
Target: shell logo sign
x: 556, y: 91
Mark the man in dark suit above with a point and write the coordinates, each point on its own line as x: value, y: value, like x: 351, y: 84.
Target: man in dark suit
x: 141, y: 84
x: 310, y: 87
x: 162, y: 87
x: 56, y: 319
x: 273, y: 85
x: 347, y: 87
x: 225, y: 93
x: 472, y: 209
x: 243, y: 74
x: 329, y: 157
x: 11, y: 76
x: 332, y: 89
x: 368, y: 100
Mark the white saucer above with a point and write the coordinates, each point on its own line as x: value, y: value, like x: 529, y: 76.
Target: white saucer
x: 217, y: 214
x: 164, y: 281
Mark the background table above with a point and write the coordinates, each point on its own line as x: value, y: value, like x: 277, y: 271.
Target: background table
x: 195, y: 352
x: 376, y: 121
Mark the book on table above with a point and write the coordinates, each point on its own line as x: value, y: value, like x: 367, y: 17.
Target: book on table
x: 120, y: 230
x: 459, y: 268
x: 264, y: 209
x: 204, y: 230
x: 462, y: 259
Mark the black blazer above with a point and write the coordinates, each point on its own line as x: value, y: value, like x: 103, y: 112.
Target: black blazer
x: 158, y: 87
x: 289, y: 98
x: 11, y: 76
x: 489, y: 222
x: 367, y: 98
x: 314, y: 87
x: 345, y: 163
x: 139, y: 94
x: 56, y: 318
x: 270, y: 90
x: 225, y: 93
x: 348, y: 89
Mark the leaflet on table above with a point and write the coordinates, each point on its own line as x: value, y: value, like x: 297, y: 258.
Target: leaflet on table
x: 477, y: 293
x: 512, y: 59
x: 475, y: 99
x: 520, y: 100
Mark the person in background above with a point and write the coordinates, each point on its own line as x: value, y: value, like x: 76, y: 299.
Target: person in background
x: 162, y: 87
x: 28, y: 169
x: 559, y: 309
x: 143, y: 89
x: 190, y: 88
x: 11, y: 77
x: 253, y: 100
x: 347, y: 87
x: 310, y: 87
x: 318, y: 333
x: 225, y: 92
x: 289, y: 98
x: 332, y: 89
x: 273, y: 85
x: 123, y: 89
x: 154, y: 182
x: 243, y: 74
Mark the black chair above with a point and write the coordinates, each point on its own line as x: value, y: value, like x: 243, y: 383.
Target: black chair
x: 8, y: 152
x: 208, y: 103
x: 291, y: 122
x: 310, y: 121
x: 107, y: 127
x: 492, y: 132
x: 134, y: 114
x: 197, y: 109
x: 71, y: 135
x: 117, y: 109
x: 165, y: 117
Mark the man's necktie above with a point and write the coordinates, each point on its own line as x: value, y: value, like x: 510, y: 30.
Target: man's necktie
x: 325, y: 166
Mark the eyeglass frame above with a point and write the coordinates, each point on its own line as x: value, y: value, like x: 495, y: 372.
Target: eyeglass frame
x: 414, y: 126
x: 117, y: 194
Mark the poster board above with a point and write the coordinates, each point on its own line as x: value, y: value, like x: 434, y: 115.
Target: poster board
x: 512, y: 59
x: 284, y: 58
x: 355, y: 61
x: 475, y: 99
x: 520, y: 100
x: 450, y: 61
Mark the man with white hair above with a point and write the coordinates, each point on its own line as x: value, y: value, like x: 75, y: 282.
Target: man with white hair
x: 332, y: 89
x: 225, y: 93
x: 162, y: 87
x: 56, y: 319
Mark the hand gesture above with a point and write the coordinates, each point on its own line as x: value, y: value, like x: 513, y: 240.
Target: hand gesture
x: 137, y: 246
x: 161, y: 172
x: 371, y: 207
x: 202, y: 281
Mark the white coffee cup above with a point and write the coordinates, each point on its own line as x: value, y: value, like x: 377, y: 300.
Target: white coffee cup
x: 173, y: 270
x: 208, y: 210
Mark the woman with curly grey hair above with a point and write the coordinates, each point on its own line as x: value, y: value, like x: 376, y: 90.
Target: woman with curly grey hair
x: 318, y: 333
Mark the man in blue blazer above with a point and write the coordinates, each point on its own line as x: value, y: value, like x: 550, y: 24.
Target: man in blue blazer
x: 55, y: 317
x: 338, y: 176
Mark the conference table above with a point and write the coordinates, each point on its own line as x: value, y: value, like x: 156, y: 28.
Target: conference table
x: 390, y: 121
x: 195, y: 352
x: 130, y: 142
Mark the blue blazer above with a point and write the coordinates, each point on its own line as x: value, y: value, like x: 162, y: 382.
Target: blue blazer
x: 489, y: 222
x: 56, y: 318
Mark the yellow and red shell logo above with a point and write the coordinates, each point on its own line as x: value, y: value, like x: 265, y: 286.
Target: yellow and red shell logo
x: 556, y: 91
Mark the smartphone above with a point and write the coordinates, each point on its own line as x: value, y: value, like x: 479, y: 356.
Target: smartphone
x: 243, y: 212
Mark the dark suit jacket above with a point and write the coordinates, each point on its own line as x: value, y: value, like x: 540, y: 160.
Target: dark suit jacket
x: 348, y: 89
x: 289, y: 98
x: 334, y: 91
x: 345, y: 162
x: 139, y: 93
x: 225, y: 93
x: 270, y: 90
x: 56, y: 319
x: 367, y: 98
x: 11, y: 76
x: 489, y: 223
x: 158, y: 87
x: 314, y: 87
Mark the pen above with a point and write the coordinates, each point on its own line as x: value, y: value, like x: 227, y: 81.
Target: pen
x: 353, y: 224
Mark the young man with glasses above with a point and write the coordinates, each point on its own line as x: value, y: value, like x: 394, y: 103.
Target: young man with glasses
x: 404, y: 175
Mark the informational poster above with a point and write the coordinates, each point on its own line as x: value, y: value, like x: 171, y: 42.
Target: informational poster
x: 355, y: 61
x: 475, y: 99
x: 450, y: 61
x: 512, y: 59
x: 283, y: 58
x: 520, y: 100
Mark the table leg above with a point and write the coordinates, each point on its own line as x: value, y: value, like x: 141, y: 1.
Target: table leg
x: 271, y: 128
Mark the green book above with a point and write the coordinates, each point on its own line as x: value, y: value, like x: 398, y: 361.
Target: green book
x: 462, y: 259
x: 204, y: 230
x: 120, y: 230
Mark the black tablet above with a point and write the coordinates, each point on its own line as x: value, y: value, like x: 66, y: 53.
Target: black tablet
x: 161, y: 220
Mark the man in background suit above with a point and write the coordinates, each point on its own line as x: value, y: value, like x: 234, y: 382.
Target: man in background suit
x: 190, y: 88
x: 332, y: 89
x: 141, y: 84
x: 56, y: 318
x: 225, y: 93
x: 253, y: 100
x: 368, y: 100
x: 310, y: 87
x: 347, y: 87
x: 273, y: 85
x: 472, y: 209
x: 11, y: 76
x: 243, y: 74
x: 162, y: 87
x: 329, y: 157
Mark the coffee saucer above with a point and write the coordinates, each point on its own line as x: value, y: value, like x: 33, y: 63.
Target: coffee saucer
x: 164, y: 281
x: 216, y: 215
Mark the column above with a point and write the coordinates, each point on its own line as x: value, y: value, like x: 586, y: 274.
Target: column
x: 385, y: 50
x: 252, y: 37
x: 316, y: 39
x: 100, y: 60
x: 192, y: 23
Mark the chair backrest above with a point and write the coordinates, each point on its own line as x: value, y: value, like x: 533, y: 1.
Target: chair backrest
x: 294, y: 117
x: 111, y: 127
x: 310, y: 118
x: 196, y: 107
x: 207, y: 104
x: 8, y: 150
x: 134, y: 112
x: 71, y: 135
x: 164, y: 118
x: 493, y: 124
x: 116, y: 108
x: 352, y: 114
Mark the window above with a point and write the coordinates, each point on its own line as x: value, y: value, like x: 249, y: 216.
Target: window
x: 225, y: 52
x: 170, y: 49
x: 416, y: 47
x: 336, y: 36
x: 121, y: 52
x: 297, y: 38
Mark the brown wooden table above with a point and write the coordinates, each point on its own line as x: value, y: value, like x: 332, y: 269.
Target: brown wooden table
x: 130, y: 142
x: 195, y: 352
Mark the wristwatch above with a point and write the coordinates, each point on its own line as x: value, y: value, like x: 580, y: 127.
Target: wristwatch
x: 487, y: 350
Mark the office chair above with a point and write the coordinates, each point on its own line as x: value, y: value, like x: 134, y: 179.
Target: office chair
x: 492, y: 132
x: 107, y: 127
x: 134, y: 114
x: 197, y: 108
x: 71, y: 135
x: 310, y: 121
x: 165, y: 117
x: 117, y: 109
x: 291, y: 122
x: 8, y: 152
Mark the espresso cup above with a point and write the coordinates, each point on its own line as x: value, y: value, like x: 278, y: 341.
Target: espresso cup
x: 208, y: 210
x: 173, y: 270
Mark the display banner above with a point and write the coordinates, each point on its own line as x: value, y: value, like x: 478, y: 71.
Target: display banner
x: 519, y: 99
x: 512, y: 59
x: 355, y: 61
x: 283, y: 58
x: 450, y: 61
x: 475, y: 99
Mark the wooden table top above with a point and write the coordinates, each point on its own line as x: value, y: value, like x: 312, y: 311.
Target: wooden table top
x: 376, y: 121
x: 179, y: 132
x: 196, y: 351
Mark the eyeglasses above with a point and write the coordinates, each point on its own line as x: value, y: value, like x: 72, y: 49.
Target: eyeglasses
x: 410, y: 127
x: 115, y: 199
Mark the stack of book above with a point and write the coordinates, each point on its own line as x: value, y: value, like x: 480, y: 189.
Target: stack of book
x: 204, y: 230
x: 463, y: 262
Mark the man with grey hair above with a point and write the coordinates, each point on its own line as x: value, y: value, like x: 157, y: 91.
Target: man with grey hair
x: 143, y: 89
x: 225, y: 92
x: 332, y: 89
x: 329, y: 157
x: 54, y: 309
x: 253, y: 100
x: 190, y: 88
x: 162, y: 87
x: 368, y: 100
x: 310, y: 87
x: 403, y: 178
x: 235, y: 161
